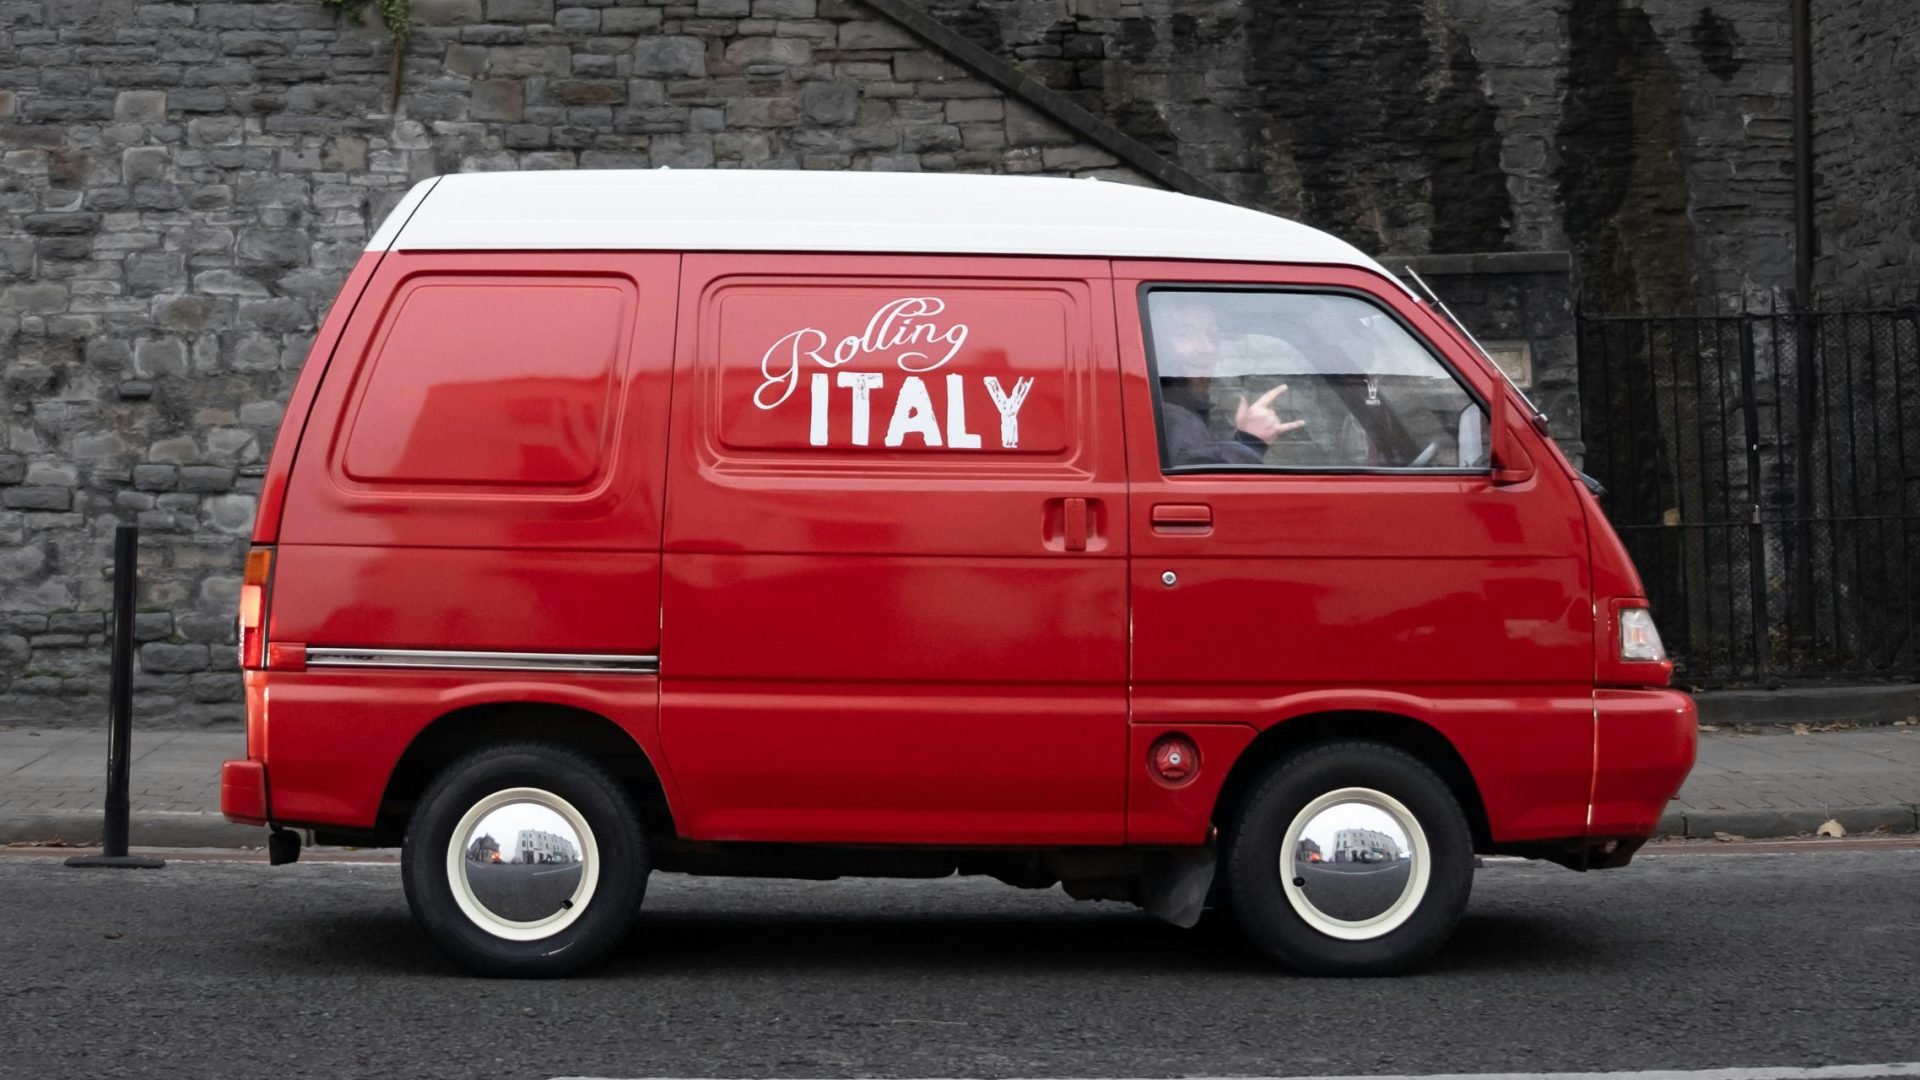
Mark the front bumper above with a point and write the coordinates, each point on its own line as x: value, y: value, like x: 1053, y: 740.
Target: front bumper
x: 243, y: 792
x: 1644, y: 746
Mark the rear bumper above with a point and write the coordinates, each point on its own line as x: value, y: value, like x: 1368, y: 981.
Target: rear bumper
x: 243, y: 792
x: 1644, y: 745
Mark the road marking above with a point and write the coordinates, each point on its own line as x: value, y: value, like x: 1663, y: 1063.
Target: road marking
x: 1822, y: 1072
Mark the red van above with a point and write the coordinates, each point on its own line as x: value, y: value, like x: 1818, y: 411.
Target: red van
x: 811, y: 524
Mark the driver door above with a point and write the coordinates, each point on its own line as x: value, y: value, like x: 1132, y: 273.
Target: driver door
x: 1360, y: 551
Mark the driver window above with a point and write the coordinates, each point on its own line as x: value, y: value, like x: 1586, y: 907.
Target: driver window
x: 1302, y: 381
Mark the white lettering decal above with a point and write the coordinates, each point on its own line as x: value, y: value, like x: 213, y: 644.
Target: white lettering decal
x: 1009, y: 406
x: 817, y: 427
x: 958, y: 436
x: 781, y: 364
x: 896, y: 326
x: 905, y: 332
x: 913, y: 411
x: 893, y: 326
x: 862, y: 383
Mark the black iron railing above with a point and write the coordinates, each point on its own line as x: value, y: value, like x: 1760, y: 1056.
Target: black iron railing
x: 1763, y: 468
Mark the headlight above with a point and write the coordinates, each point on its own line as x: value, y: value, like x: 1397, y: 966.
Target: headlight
x: 1639, y: 640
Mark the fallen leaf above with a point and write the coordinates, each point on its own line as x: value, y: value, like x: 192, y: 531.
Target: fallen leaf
x: 1831, y: 828
x: 1726, y: 837
x: 1802, y: 729
x: 1709, y: 727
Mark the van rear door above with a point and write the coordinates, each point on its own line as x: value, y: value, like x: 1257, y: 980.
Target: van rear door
x: 894, y: 568
x: 475, y: 507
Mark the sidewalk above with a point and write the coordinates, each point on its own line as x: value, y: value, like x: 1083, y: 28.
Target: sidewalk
x: 52, y: 784
x: 1777, y: 784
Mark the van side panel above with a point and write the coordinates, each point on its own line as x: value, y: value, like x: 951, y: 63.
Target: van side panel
x: 482, y: 472
x: 337, y: 735
x: 894, y: 574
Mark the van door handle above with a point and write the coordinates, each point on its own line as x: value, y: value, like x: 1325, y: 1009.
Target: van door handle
x: 1075, y: 530
x: 1072, y: 524
x: 1182, y: 519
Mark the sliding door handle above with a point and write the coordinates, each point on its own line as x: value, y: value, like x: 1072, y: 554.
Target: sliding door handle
x: 1076, y: 524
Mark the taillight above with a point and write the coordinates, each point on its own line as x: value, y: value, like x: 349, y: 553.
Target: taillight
x: 253, y: 606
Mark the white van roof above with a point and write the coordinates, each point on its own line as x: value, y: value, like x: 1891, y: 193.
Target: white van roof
x: 776, y: 210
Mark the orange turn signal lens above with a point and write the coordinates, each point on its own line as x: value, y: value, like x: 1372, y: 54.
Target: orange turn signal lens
x: 253, y: 603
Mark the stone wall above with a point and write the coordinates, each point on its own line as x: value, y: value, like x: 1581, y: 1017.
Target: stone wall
x: 184, y: 186
x: 1652, y: 138
x: 1867, y: 184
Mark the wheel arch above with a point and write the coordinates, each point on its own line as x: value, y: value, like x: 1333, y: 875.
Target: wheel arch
x: 472, y: 727
x: 1414, y: 736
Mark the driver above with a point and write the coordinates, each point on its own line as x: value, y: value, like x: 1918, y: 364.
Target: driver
x: 1186, y: 335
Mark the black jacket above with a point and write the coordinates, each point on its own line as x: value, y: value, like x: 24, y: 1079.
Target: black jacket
x: 1186, y: 425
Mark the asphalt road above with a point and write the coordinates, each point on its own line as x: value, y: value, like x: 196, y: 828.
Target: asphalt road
x: 1677, y: 962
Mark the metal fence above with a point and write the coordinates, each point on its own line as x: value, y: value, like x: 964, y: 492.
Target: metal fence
x: 1764, y: 471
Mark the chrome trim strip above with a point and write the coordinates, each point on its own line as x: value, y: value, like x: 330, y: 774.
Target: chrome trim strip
x: 603, y: 663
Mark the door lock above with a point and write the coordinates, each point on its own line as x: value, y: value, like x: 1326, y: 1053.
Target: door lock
x: 1169, y: 579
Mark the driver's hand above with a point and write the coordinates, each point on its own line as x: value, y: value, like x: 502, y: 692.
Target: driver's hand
x: 1260, y: 421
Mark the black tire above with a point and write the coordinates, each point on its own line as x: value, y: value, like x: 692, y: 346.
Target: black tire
x: 620, y: 848
x: 1259, y: 901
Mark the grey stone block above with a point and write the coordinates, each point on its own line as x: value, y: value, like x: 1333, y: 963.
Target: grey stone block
x: 144, y: 163
x: 162, y: 658
x: 831, y: 103
x: 670, y: 57
x: 206, y: 478
x: 630, y: 20
x: 141, y: 106
x: 36, y: 498
x: 509, y: 61
x: 519, y: 11
x: 876, y: 34
x: 445, y: 12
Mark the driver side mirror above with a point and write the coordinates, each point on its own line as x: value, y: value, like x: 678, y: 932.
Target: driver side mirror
x: 1511, y: 464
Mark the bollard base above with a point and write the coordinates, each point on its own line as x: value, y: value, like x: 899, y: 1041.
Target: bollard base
x: 120, y: 862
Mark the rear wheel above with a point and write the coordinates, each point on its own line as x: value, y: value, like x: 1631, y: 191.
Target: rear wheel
x: 1349, y: 858
x: 525, y: 860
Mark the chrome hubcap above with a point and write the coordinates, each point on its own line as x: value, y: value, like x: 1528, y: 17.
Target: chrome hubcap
x: 1355, y: 863
x: 523, y: 864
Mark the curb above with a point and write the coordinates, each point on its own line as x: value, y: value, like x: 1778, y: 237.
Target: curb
x: 1865, y: 706
x: 145, y: 828
x: 1772, y: 824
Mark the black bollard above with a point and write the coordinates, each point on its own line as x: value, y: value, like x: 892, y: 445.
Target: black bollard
x: 113, y: 852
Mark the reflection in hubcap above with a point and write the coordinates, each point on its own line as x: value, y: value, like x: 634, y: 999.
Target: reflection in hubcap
x: 1355, y: 863
x: 523, y: 862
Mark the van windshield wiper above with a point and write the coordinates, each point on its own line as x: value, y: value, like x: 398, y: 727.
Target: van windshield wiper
x: 1538, y: 418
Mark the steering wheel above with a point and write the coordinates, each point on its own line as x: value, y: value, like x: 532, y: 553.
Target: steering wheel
x: 1425, y: 455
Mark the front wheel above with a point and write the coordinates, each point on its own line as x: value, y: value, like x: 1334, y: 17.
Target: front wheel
x: 1349, y: 858
x: 524, y: 860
